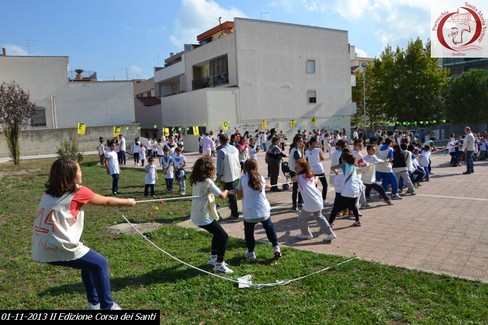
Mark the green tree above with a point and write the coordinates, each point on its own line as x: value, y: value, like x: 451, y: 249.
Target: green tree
x: 466, y: 97
x: 410, y: 82
x: 16, y: 111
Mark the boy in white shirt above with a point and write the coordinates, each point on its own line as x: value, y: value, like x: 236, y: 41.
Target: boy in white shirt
x: 112, y: 166
x: 369, y: 172
x: 150, y: 178
x: 167, y: 166
x: 179, y: 162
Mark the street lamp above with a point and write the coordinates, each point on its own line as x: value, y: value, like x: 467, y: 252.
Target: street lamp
x: 364, y: 65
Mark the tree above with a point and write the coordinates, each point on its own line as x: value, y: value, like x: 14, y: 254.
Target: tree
x: 16, y: 111
x: 466, y: 97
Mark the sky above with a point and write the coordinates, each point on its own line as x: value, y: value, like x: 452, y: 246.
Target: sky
x: 126, y: 39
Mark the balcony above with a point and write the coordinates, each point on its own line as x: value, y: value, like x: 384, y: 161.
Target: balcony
x: 211, y: 81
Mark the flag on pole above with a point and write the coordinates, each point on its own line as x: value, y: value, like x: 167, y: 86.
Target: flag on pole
x: 81, y: 128
x: 225, y: 125
x: 195, y: 131
x: 264, y: 124
x: 312, y: 120
x: 293, y: 123
x: 116, y: 131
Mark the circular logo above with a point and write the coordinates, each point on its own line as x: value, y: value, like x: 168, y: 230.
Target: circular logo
x: 459, y: 29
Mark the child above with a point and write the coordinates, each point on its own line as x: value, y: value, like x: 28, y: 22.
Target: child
x: 312, y: 202
x: 350, y: 190
x: 59, y: 225
x: 167, y: 166
x: 201, y: 179
x: 112, y: 166
x: 315, y: 156
x: 255, y: 208
x: 179, y: 162
x: 424, y: 160
x: 151, y: 177
x: 101, y: 151
x: 142, y: 153
x: 369, y: 172
x: 296, y: 152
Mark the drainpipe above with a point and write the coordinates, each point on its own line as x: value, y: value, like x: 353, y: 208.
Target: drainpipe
x: 53, y: 111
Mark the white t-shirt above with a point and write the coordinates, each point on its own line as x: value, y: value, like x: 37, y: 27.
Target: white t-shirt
x: 312, y: 197
x: 368, y: 175
x: 150, y: 174
x: 384, y: 153
x: 313, y: 157
x: 167, y: 166
x: 424, y: 158
x: 113, y: 162
x: 255, y: 205
x: 199, y: 205
x: 59, y: 225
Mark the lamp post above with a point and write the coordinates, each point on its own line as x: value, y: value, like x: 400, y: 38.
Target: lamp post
x: 364, y: 65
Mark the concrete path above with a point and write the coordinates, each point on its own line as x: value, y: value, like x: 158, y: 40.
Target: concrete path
x: 443, y: 229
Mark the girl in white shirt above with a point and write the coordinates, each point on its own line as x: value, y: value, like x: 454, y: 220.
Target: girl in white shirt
x: 255, y: 208
x: 201, y: 179
x: 312, y: 202
x: 315, y: 156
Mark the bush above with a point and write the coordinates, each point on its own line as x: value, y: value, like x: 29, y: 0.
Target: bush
x: 69, y: 149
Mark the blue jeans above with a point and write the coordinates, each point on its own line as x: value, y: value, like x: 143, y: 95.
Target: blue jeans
x: 249, y: 233
x: 95, y: 277
x: 469, y: 161
x: 388, y: 178
x: 234, y: 212
x: 123, y: 158
x: 115, y: 182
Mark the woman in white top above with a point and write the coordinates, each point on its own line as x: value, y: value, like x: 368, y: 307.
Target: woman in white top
x: 312, y: 202
x: 255, y: 208
x: 315, y: 156
x: 201, y: 180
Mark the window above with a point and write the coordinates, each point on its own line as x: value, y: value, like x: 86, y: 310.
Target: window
x: 312, y: 96
x: 310, y: 66
x: 40, y: 118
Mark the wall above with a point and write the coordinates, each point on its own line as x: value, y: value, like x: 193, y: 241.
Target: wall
x: 43, y: 142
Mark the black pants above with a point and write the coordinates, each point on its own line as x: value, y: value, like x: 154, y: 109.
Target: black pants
x: 294, y: 193
x: 377, y: 188
x: 146, y: 189
x: 274, y: 165
x: 219, y: 239
x: 249, y: 233
x: 341, y: 203
x: 323, y: 180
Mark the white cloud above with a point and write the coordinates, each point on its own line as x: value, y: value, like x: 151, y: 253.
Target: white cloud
x: 14, y: 50
x: 135, y: 72
x: 197, y: 16
x: 360, y: 53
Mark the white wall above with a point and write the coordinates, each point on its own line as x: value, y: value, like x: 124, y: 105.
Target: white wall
x: 271, y: 65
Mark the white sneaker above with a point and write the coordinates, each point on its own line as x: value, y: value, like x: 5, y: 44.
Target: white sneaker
x: 277, y: 251
x: 303, y: 236
x: 115, y: 306
x: 212, y: 260
x: 330, y: 237
x: 222, y: 268
x: 90, y: 306
x: 250, y: 255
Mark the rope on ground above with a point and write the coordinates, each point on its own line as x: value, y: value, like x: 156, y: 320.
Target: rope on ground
x: 243, y: 283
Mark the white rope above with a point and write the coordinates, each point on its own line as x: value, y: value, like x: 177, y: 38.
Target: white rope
x: 244, y: 283
x: 168, y: 199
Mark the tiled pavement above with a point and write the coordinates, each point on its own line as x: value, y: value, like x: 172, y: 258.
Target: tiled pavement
x: 443, y: 229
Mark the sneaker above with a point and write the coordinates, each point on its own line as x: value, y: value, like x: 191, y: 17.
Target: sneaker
x: 182, y: 193
x: 389, y: 202
x: 115, y: 306
x: 329, y: 237
x: 90, y: 306
x: 303, y: 236
x: 114, y: 193
x: 250, y: 255
x: 365, y: 206
x: 357, y: 224
x: 396, y: 197
x: 212, y: 260
x: 222, y: 268
x: 295, y: 209
x: 154, y: 196
x: 277, y: 251
x: 327, y: 203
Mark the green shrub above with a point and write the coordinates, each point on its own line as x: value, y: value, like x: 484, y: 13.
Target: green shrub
x: 69, y: 149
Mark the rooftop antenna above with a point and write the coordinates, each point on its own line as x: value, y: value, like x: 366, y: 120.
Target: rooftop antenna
x: 28, y: 45
x: 220, y: 24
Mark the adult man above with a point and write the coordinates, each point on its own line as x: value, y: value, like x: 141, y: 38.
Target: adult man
x: 207, y: 144
x: 228, y: 171
x: 468, y: 148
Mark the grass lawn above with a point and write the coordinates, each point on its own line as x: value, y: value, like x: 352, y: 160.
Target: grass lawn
x: 357, y: 292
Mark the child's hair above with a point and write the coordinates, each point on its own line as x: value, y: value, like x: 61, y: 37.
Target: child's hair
x: 396, y: 148
x: 341, y: 144
x: 150, y: 160
x: 251, y: 169
x: 426, y: 147
x: 62, y: 177
x: 369, y: 147
x: 165, y: 149
x: 379, y: 140
x: 313, y: 140
x: 347, y: 158
x: 178, y: 150
x: 202, y: 169
x: 305, y: 167
x: 357, y: 142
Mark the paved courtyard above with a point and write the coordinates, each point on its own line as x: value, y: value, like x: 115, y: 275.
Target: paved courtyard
x: 443, y: 229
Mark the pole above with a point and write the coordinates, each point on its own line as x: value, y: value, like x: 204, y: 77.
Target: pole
x: 364, y: 65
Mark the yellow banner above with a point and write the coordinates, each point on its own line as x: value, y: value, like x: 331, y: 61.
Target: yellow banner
x: 81, y: 128
x: 312, y: 120
x: 116, y: 131
x: 166, y: 131
x: 264, y: 124
x: 293, y: 123
x: 195, y: 131
x: 225, y: 126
